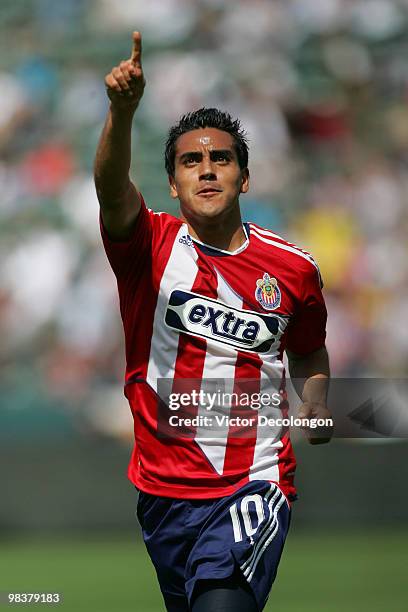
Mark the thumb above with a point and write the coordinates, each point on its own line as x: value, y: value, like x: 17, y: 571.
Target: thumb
x: 136, y: 57
x: 305, y: 411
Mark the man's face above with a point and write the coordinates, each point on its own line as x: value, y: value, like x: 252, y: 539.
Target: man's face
x: 207, y: 177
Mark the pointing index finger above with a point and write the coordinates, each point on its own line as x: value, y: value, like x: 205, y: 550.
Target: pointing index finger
x: 136, y: 57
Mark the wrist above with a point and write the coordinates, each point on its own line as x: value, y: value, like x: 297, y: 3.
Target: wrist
x: 315, y: 389
x: 122, y: 113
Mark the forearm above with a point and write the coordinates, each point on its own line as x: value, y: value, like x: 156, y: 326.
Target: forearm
x: 113, y: 156
x: 310, y: 375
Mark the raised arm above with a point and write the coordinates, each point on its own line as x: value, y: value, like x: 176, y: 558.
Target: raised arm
x: 118, y: 197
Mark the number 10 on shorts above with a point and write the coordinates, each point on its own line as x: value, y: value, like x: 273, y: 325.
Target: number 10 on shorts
x: 241, y: 516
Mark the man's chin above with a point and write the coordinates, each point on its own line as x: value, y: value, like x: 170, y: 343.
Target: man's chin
x: 208, y: 211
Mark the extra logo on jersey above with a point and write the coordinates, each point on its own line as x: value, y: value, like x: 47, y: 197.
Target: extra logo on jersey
x: 267, y: 292
x: 197, y: 315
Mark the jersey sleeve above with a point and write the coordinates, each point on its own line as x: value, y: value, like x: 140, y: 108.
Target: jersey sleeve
x: 130, y: 256
x: 307, y: 330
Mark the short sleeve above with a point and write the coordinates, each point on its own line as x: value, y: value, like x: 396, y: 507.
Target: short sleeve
x: 307, y: 330
x: 128, y: 256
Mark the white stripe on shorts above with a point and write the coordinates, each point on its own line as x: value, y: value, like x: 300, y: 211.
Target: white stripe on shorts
x: 268, y: 532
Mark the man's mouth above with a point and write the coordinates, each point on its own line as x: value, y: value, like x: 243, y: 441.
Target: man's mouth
x: 208, y: 191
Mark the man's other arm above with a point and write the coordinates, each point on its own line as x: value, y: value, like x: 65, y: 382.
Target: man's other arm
x: 310, y: 376
x: 118, y: 197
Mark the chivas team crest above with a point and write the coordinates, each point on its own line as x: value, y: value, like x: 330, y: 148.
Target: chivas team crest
x: 267, y: 292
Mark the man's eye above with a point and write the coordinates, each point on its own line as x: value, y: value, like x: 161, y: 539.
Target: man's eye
x: 222, y: 157
x: 190, y: 160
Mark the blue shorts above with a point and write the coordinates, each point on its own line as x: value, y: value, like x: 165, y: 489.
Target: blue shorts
x: 207, y: 539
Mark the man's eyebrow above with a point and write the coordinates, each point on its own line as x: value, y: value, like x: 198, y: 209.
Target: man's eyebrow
x: 194, y: 154
x: 226, y: 152
x: 197, y: 155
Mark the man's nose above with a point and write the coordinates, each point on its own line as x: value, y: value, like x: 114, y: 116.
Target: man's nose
x: 207, y: 170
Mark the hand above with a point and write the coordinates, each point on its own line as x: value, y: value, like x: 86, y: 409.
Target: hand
x: 315, y: 410
x: 125, y: 83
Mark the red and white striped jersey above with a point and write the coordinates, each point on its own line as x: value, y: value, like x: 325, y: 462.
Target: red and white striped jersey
x: 192, y: 311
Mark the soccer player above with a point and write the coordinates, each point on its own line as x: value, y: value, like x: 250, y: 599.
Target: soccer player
x: 203, y: 297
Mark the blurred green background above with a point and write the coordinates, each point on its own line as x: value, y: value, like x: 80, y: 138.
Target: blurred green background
x: 322, y: 89
x: 319, y: 572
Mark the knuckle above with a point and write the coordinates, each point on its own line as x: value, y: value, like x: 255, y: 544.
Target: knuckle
x: 109, y: 81
x: 113, y: 84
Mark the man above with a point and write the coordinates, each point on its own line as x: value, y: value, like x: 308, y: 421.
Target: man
x: 207, y: 297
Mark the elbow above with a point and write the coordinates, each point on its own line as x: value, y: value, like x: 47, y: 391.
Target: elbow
x: 315, y: 363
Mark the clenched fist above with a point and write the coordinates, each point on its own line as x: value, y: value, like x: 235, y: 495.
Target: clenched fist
x: 125, y: 83
x: 317, y: 411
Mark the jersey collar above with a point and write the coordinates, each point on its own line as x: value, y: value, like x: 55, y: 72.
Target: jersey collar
x: 207, y: 249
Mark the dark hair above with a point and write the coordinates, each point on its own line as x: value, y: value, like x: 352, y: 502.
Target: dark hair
x: 202, y: 118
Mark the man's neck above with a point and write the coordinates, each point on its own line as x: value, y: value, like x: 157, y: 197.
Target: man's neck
x: 227, y: 238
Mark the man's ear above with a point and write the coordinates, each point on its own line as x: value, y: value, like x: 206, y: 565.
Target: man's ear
x: 173, y: 188
x: 245, y: 181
